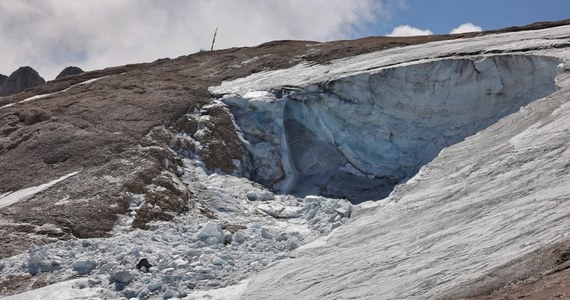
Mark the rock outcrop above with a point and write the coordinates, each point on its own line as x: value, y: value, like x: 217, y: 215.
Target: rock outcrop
x: 2, y: 78
x: 71, y: 70
x: 22, y: 79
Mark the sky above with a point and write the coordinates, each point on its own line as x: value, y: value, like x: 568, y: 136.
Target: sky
x: 50, y: 35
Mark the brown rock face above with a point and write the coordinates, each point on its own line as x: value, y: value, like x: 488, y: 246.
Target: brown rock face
x: 22, y: 79
x: 69, y: 71
x: 220, y: 141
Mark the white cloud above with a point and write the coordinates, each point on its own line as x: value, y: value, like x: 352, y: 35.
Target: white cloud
x: 406, y: 30
x: 52, y: 34
x: 467, y: 27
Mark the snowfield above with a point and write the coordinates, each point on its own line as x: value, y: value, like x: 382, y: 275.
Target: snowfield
x: 467, y: 140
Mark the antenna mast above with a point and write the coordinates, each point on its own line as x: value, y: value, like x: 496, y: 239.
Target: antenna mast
x: 214, y: 40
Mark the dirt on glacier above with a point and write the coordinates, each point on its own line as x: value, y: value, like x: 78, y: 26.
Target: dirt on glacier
x: 116, y: 132
x: 543, y: 274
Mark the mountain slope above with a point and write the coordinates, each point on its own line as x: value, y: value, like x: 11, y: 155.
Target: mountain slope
x: 96, y: 121
x: 103, y: 153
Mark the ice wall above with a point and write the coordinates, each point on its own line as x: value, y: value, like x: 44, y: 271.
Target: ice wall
x: 358, y: 136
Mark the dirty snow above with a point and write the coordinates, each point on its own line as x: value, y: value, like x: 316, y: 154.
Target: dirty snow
x: 37, y: 97
x: 10, y: 198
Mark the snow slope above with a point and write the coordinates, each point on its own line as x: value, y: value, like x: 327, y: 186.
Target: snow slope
x: 38, y: 97
x: 60, y: 291
x: 10, y: 198
x: 480, y: 203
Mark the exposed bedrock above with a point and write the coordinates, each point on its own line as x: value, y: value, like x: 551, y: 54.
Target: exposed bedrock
x: 20, y: 80
x: 358, y: 136
x: 69, y: 71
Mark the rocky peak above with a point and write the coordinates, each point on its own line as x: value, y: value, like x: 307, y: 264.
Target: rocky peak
x: 71, y: 70
x: 2, y: 78
x: 19, y: 80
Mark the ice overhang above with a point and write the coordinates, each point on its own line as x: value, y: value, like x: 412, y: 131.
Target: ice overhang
x: 358, y: 126
x: 358, y: 136
x: 548, y: 42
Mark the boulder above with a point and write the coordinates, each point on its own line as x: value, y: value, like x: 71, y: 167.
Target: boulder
x: 266, y: 196
x: 84, y: 267
x: 22, y: 79
x: 122, y: 277
x: 144, y: 265
x: 239, y: 237
x: 251, y: 196
x: 266, y: 234
x: 37, y: 263
x: 211, y: 232
x: 155, y: 286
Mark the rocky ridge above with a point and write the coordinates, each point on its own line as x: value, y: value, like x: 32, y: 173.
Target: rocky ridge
x: 20, y: 80
x: 68, y: 71
x: 2, y: 78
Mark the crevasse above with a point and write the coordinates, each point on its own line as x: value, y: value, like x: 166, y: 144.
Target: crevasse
x: 358, y: 136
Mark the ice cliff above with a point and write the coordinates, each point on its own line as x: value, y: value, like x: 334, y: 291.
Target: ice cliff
x: 360, y: 135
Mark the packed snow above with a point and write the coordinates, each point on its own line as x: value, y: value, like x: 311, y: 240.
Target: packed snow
x: 10, y: 198
x: 7, y: 105
x: 37, y: 97
x: 74, y: 289
x: 483, y: 201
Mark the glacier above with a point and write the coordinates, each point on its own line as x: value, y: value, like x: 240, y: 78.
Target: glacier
x: 358, y: 136
x: 493, y: 175
x: 454, y: 155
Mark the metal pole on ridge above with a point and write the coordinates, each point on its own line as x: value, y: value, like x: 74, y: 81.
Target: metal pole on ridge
x: 214, y: 39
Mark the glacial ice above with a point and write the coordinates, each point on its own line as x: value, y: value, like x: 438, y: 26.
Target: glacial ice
x: 358, y: 136
x: 212, y: 233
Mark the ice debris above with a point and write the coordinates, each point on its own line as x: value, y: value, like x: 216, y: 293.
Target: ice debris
x: 174, y: 258
x: 84, y: 267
